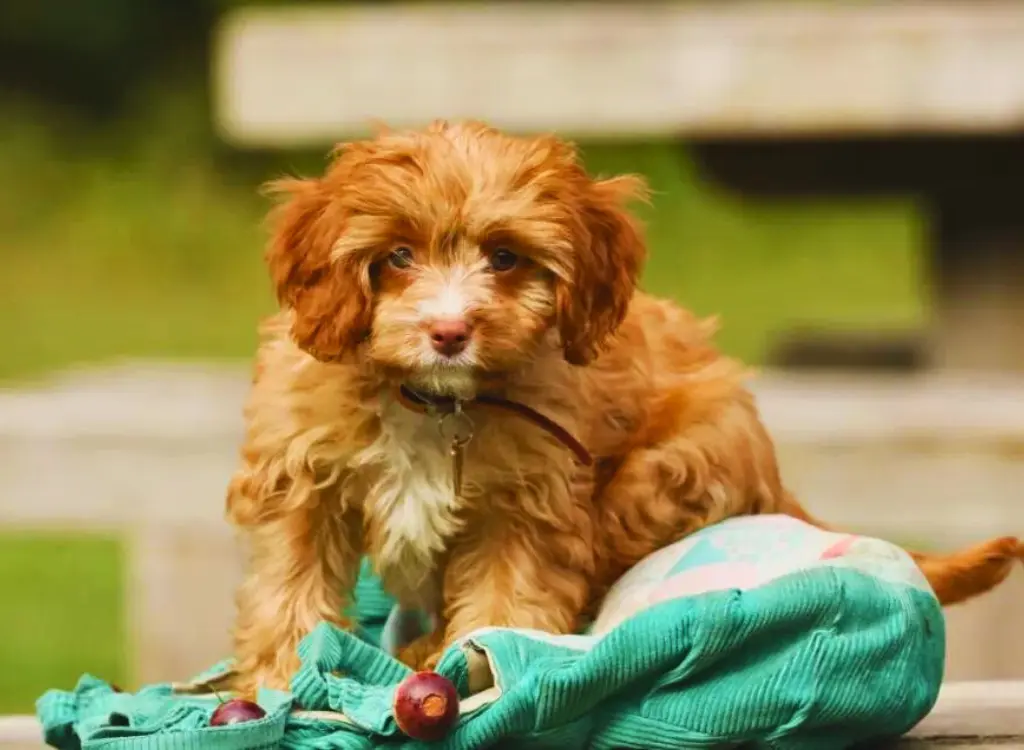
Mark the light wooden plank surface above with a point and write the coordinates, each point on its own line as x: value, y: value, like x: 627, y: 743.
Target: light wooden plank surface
x: 967, y: 714
x: 973, y: 714
x: 20, y: 733
x: 305, y: 74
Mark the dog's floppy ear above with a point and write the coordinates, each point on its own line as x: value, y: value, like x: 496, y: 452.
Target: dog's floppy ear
x: 330, y: 296
x: 609, y: 255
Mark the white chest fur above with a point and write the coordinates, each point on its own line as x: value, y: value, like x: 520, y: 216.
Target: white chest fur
x: 412, y: 502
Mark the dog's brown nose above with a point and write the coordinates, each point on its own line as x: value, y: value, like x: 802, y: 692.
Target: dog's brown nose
x: 449, y: 336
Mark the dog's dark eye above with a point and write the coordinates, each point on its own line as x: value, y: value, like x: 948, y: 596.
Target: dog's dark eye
x: 401, y: 257
x: 504, y: 260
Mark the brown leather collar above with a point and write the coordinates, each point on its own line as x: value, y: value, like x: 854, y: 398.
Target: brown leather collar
x: 422, y: 403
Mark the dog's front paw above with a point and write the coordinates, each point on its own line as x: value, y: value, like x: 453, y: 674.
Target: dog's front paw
x: 250, y: 676
x: 423, y: 653
x: 431, y: 660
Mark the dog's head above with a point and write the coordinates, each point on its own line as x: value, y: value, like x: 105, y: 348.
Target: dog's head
x: 454, y: 253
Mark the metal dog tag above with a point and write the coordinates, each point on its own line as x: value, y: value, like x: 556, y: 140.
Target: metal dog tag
x: 457, y: 469
x: 457, y: 429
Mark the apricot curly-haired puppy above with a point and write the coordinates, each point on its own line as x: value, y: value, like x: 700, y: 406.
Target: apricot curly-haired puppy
x: 459, y: 267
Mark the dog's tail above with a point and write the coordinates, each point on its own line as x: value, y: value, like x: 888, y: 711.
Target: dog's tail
x: 955, y: 577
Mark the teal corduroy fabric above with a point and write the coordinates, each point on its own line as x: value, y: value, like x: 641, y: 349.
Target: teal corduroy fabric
x: 762, y: 630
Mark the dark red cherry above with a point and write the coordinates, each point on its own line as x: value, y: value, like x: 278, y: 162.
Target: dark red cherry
x: 236, y: 711
x: 426, y: 706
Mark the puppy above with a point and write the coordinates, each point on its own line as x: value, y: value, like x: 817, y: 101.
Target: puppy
x: 464, y: 385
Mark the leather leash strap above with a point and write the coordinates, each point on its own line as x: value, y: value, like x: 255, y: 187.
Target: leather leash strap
x: 422, y: 403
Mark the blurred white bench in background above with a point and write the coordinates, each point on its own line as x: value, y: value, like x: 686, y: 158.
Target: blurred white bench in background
x: 305, y: 75
x: 147, y: 451
x: 774, y: 98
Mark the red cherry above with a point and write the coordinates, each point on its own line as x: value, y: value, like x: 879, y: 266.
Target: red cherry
x: 426, y: 706
x: 236, y: 711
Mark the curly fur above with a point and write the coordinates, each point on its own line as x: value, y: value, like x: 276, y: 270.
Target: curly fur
x: 333, y: 468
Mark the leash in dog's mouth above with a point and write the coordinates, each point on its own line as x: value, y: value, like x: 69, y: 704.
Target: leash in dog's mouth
x: 456, y: 426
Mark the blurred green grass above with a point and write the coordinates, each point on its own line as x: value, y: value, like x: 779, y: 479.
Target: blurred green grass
x: 139, y: 240
x: 63, y: 614
x: 136, y: 243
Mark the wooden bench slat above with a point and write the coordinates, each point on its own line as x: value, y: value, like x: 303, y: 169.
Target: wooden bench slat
x: 285, y: 76
x: 978, y: 711
x: 967, y: 714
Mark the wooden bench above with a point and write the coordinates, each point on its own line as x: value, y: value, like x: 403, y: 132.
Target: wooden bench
x: 775, y: 99
x: 967, y: 715
x: 146, y: 451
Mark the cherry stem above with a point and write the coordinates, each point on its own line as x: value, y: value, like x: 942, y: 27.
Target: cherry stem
x: 209, y: 686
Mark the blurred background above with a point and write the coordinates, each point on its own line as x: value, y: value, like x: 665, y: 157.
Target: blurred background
x: 839, y: 182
